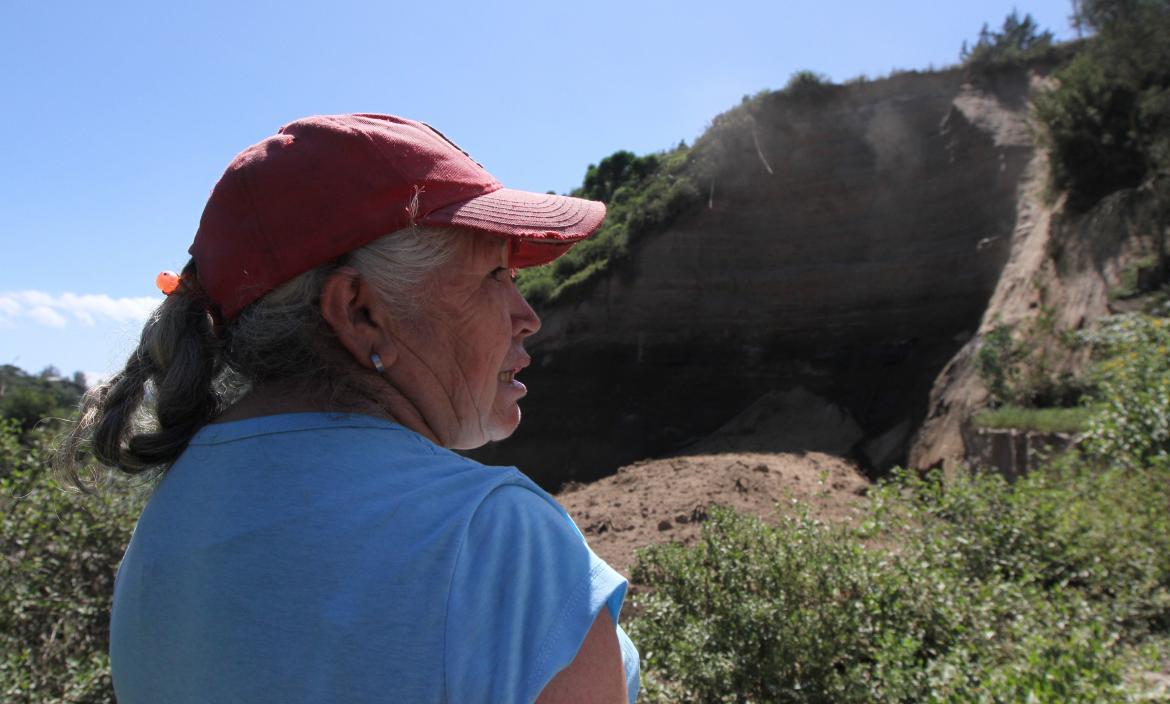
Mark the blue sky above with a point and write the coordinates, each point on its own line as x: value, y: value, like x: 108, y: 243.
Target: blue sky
x: 119, y: 116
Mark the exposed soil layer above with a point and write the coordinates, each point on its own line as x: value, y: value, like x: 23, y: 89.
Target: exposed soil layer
x: 854, y: 266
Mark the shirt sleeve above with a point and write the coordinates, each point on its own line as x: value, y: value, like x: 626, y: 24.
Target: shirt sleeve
x: 524, y: 593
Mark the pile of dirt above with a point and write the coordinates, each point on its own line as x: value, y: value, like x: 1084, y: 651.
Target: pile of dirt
x: 663, y: 500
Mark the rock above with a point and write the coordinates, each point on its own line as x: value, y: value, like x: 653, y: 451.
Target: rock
x: 1012, y: 452
x: 881, y: 451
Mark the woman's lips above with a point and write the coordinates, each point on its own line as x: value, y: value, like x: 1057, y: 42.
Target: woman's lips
x: 508, y: 378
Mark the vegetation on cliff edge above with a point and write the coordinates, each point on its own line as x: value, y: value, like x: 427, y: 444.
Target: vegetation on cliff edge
x: 1107, y: 122
x: 1018, y: 42
x: 643, y: 195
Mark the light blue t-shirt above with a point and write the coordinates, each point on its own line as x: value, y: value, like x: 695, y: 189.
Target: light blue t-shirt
x: 342, y: 558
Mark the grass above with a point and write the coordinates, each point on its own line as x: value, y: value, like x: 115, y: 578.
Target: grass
x: 1039, y: 420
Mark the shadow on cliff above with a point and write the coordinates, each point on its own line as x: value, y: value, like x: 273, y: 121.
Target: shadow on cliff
x: 847, y: 250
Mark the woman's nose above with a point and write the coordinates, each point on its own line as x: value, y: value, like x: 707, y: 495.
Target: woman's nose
x: 525, y: 321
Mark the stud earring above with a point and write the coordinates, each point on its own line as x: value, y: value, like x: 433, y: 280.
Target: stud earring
x: 377, y: 362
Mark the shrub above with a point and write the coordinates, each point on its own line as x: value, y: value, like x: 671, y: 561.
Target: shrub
x: 60, y: 554
x: 30, y: 399
x: 807, y: 84
x: 1134, y: 373
x: 1018, y: 366
x: 1017, y: 42
x: 645, y: 194
x: 1032, y: 591
x: 1036, y: 591
x: 1089, y: 119
x: 618, y: 170
x: 997, y: 360
x: 1108, y: 118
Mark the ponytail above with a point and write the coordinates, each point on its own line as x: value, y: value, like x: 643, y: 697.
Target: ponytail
x: 142, y: 418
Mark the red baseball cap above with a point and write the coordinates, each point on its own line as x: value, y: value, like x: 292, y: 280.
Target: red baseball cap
x: 326, y: 185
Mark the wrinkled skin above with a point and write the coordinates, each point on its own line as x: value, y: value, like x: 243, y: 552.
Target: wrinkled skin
x: 455, y: 362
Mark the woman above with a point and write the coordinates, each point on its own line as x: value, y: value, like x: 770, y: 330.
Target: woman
x: 348, y: 317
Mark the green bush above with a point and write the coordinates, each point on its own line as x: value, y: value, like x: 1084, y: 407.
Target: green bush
x: 1017, y: 365
x: 30, y: 399
x: 1092, y: 146
x: 768, y: 614
x: 644, y: 195
x: 29, y: 407
x: 1108, y: 118
x: 618, y: 170
x: 807, y: 84
x: 60, y: 554
x: 1018, y: 42
x: 997, y: 362
x: 1033, y: 591
x: 1134, y: 374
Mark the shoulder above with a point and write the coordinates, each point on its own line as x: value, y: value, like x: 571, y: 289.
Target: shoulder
x: 520, y: 536
x: 515, y: 503
x: 525, y: 592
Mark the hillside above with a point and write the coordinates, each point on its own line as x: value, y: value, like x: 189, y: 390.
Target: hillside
x: 849, y: 241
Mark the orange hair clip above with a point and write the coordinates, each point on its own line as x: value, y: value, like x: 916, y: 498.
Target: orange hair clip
x: 167, y: 282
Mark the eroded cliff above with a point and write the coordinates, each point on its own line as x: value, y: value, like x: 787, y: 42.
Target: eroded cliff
x: 852, y: 238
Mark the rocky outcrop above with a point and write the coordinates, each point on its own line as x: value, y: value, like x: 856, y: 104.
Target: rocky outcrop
x: 851, y: 244
x: 1062, y: 266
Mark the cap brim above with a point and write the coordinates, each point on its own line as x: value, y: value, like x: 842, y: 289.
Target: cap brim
x: 543, y: 226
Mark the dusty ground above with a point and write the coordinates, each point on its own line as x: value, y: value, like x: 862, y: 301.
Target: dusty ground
x: 664, y: 500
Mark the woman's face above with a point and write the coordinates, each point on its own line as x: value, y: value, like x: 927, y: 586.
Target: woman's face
x: 458, y: 359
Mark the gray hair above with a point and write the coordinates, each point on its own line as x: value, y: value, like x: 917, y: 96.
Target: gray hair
x: 186, y: 370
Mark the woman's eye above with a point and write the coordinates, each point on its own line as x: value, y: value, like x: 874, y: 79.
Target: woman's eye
x: 503, y: 273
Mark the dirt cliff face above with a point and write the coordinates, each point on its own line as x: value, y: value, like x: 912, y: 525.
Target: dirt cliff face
x: 850, y: 245
x: 1062, y: 265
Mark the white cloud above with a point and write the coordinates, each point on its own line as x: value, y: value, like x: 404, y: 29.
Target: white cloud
x: 60, y: 310
x: 47, y: 316
x: 89, y: 306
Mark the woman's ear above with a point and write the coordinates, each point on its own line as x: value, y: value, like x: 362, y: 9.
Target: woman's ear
x: 359, y: 318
